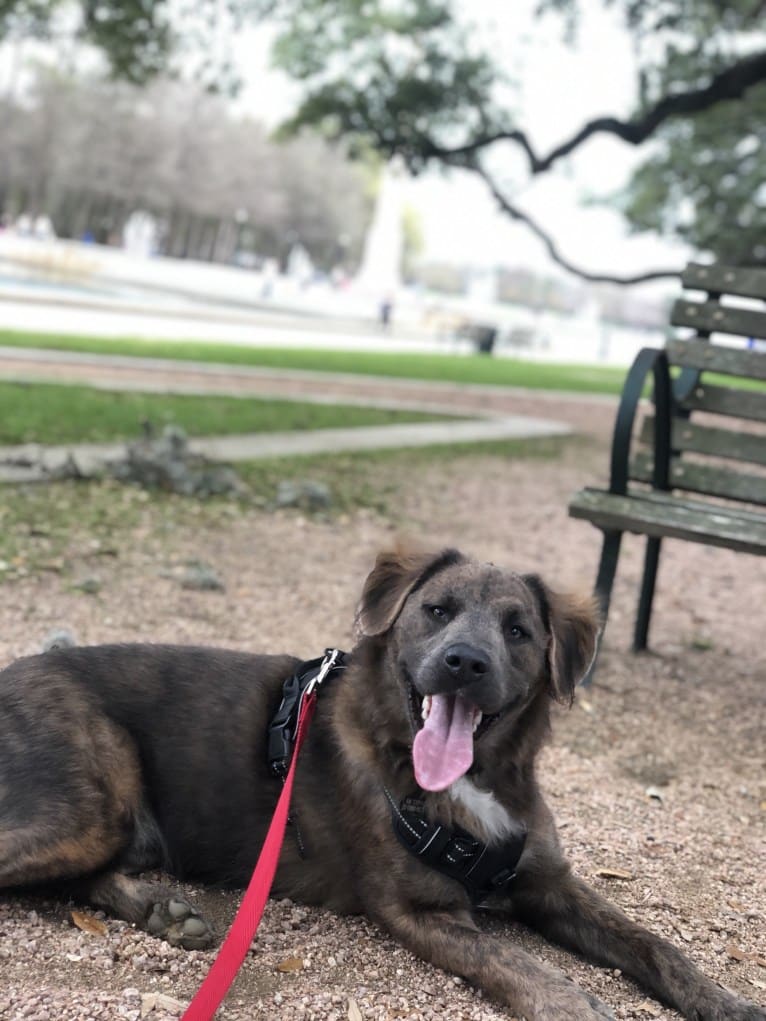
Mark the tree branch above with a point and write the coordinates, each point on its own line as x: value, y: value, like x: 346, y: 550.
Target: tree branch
x: 515, y: 213
x: 731, y: 83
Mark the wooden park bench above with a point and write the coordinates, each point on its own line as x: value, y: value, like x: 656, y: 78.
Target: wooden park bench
x: 699, y: 470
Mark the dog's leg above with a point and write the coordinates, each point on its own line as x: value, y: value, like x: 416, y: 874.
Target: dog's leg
x: 68, y: 798
x: 71, y: 813
x: 451, y: 941
x: 569, y: 912
x: 151, y: 906
x: 73, y: 848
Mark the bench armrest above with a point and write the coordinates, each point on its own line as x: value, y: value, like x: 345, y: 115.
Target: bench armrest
x: 648, y: 359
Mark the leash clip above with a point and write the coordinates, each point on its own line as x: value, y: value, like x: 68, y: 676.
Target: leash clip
x: 329, y: 661
x: 283, y: 729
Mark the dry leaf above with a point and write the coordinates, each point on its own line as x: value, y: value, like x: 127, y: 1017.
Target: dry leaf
x: 87, y: 923
x: 290, y: 964
x: 683, y: 933
x: 151, y: 1001
x: 614, y: 874
x: 743, y: 955
x: 649, y: 1008
x: 354, y: 1013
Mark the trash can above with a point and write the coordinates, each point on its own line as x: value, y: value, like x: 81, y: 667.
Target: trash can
x: 484, y: 338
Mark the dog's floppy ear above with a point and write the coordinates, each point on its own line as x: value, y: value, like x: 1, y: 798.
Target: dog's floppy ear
x: 574, y: 624
x: 394, y: 576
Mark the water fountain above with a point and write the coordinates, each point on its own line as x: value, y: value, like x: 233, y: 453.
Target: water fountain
x: 380, y: 273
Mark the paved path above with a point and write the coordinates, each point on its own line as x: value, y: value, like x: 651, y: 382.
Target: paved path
x: 495, y: 412
x: 78, y: 314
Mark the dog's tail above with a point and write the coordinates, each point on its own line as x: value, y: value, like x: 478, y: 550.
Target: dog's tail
x: 58, y: 638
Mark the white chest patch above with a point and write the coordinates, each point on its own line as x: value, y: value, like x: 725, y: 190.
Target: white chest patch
x: 492, y: 820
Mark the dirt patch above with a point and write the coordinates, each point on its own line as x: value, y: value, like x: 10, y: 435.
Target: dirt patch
x: 656, y: 774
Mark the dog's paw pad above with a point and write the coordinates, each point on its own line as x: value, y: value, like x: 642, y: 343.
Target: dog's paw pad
x: 180, y: 924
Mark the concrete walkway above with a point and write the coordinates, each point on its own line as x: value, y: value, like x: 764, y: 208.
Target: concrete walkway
x: 32, y: 462
x: 492, y: 413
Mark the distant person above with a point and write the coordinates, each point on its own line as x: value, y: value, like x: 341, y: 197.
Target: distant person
x: 269, y: 274
x: 43, y: 228
x: 386, y: 311
x: 24, y: 225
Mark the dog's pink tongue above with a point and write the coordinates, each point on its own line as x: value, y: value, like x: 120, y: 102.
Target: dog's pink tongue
x: 443, y: 747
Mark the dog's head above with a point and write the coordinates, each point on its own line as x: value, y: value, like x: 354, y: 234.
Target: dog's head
x: 471, y: 642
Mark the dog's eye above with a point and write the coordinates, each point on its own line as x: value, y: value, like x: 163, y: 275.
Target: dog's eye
x: 517, y: 632
x: 438, y: 612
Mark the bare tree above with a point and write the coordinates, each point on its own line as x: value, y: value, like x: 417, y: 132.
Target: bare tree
x: 89, y: 152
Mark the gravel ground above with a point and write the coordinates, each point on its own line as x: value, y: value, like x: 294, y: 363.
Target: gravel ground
x: 656, y: 774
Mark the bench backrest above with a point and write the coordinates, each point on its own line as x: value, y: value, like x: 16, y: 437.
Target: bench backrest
x: 718, y: 436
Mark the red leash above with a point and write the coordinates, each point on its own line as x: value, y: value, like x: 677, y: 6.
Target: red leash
x: 246, y: 922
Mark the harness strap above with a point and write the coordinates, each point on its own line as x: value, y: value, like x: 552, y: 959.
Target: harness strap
x: 284, y: 724
x: 482, y: 869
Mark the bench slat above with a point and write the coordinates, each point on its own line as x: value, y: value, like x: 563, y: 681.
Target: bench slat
x: 745, y: 283
x: 746, y: 513
x: 712, y: 317
x: 724, y: 400
x: 670, y: 517
x: 699, y: 354
x: 702, y: 478
x: 701, y: 439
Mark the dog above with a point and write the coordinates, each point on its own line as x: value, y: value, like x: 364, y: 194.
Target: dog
x: 415, y: 797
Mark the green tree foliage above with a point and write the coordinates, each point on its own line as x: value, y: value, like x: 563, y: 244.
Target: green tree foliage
x: 705, y: 182
x: 134, y: 35
x: 139, y: 38
x: 704, y: 179
x: 403, y: 75
x: 396, y: 75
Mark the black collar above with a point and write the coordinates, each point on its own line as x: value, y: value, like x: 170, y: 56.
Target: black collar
x: 480, y: 868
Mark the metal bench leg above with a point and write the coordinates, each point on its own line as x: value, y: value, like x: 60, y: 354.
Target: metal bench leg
x: 607, y: 569
x: 651, y: 561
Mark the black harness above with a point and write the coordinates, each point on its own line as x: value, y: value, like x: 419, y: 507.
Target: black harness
x: 481, y: 869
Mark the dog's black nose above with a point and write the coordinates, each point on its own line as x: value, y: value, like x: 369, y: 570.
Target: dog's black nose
x: 466, y: 663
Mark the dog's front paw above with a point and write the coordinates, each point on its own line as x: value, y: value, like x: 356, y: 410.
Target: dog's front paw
x: 568, y: 1002
x: 180, y: 924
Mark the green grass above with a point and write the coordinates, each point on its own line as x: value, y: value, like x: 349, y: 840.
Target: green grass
x: 477, y: 369
x: 53, y: 413
x: 74, y: 529
x: 373, y: 478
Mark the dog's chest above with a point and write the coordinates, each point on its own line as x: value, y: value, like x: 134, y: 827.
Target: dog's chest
x: 484, y: 815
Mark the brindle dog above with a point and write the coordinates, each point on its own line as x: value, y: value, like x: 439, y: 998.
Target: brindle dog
x: 115, y: 759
